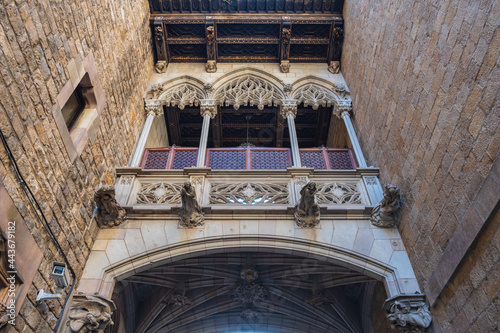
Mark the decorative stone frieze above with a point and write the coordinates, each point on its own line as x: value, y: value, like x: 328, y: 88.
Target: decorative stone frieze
x: 90, y: 314
x: 208, y: 106
x: 109, y: 212
x: 408, y: 313
x: 334, y: 67
x: 386, y: 213
x: 153, y: 106
x: 288, y: 107
x: 307, y: 211
x: 159, y: 193
x: 338, y: 193
x: 191, y: 215
x: 182, y: 95
x: 249, y: 194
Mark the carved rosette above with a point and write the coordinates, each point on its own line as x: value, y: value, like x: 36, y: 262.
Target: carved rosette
x: 408, y: 313
x: 90, y: 314
x: 288, y: 107
x: 341, y: 107
x: 208, y: 106
x: 153, y: 106
x: 386, y: 213
x: 109, y: 213
x: 307, y: 211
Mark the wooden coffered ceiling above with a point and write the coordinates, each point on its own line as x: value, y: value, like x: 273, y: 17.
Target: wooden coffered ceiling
x: 247, y: 31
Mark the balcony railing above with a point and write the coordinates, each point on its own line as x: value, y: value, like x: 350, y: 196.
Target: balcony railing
x: 255, y: 158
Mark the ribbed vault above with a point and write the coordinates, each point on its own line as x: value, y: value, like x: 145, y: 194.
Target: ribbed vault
x: 242, y: 292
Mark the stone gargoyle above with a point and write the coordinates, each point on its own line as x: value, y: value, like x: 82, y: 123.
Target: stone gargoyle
x: 109, y: 212
x: 90, y: 314
x: 307, y: 211
x: 414, y: 318
x: 386, y: 213
x: 191, y: 214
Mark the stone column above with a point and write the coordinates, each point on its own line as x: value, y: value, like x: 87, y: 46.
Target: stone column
x: 153, y: 108
x: 289, y: 111
x: 342, y: 109
x: 208, y: 110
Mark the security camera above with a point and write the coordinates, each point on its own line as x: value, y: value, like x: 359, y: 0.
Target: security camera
x: 60, y: 274
x: 61, y: 278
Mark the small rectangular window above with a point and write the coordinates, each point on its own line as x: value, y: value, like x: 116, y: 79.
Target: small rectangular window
x: 73, y: 108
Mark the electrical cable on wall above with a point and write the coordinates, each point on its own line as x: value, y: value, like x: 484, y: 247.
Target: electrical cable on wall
x: 41, y: 218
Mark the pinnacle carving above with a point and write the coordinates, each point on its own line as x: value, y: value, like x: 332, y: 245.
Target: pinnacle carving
x: 208, y: 106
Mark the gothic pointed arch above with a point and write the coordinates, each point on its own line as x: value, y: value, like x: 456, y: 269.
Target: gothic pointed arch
x: 248, y: 87
x: 180, y: 92
x: 316, y: 92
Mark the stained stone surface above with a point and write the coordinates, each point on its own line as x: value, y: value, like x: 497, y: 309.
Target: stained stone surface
x: 41, y: 45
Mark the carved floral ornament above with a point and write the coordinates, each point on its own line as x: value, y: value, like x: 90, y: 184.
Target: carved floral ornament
x: 249, y: 90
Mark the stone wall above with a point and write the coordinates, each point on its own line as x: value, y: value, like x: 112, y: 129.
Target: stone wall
x: 424, y: 77
x: 39, y: 42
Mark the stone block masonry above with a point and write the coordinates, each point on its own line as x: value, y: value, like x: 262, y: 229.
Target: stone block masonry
x: 425, y: 86
x: 40, y: 41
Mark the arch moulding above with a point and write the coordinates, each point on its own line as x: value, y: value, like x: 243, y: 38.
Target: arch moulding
x: 110, y: 260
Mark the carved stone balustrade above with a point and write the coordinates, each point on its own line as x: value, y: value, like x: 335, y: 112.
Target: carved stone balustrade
x: 341, y: 192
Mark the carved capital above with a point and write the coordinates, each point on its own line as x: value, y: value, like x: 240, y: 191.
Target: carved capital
x: 90, y: 314
x: 153, y: 106
x: 408, y: 313
x: 109, y: 212
x: 208, y: 106
x: 288, y: 107
x: 341, y: 107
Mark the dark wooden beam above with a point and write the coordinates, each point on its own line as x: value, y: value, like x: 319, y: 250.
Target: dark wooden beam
x: 211, y: 37
x: 286, y: 34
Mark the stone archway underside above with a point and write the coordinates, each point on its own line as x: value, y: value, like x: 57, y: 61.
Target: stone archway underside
x: 254, y: 290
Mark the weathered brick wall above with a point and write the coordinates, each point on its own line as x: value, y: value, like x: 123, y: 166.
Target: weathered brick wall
x: 38, y: 39
x: 425, y: 80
